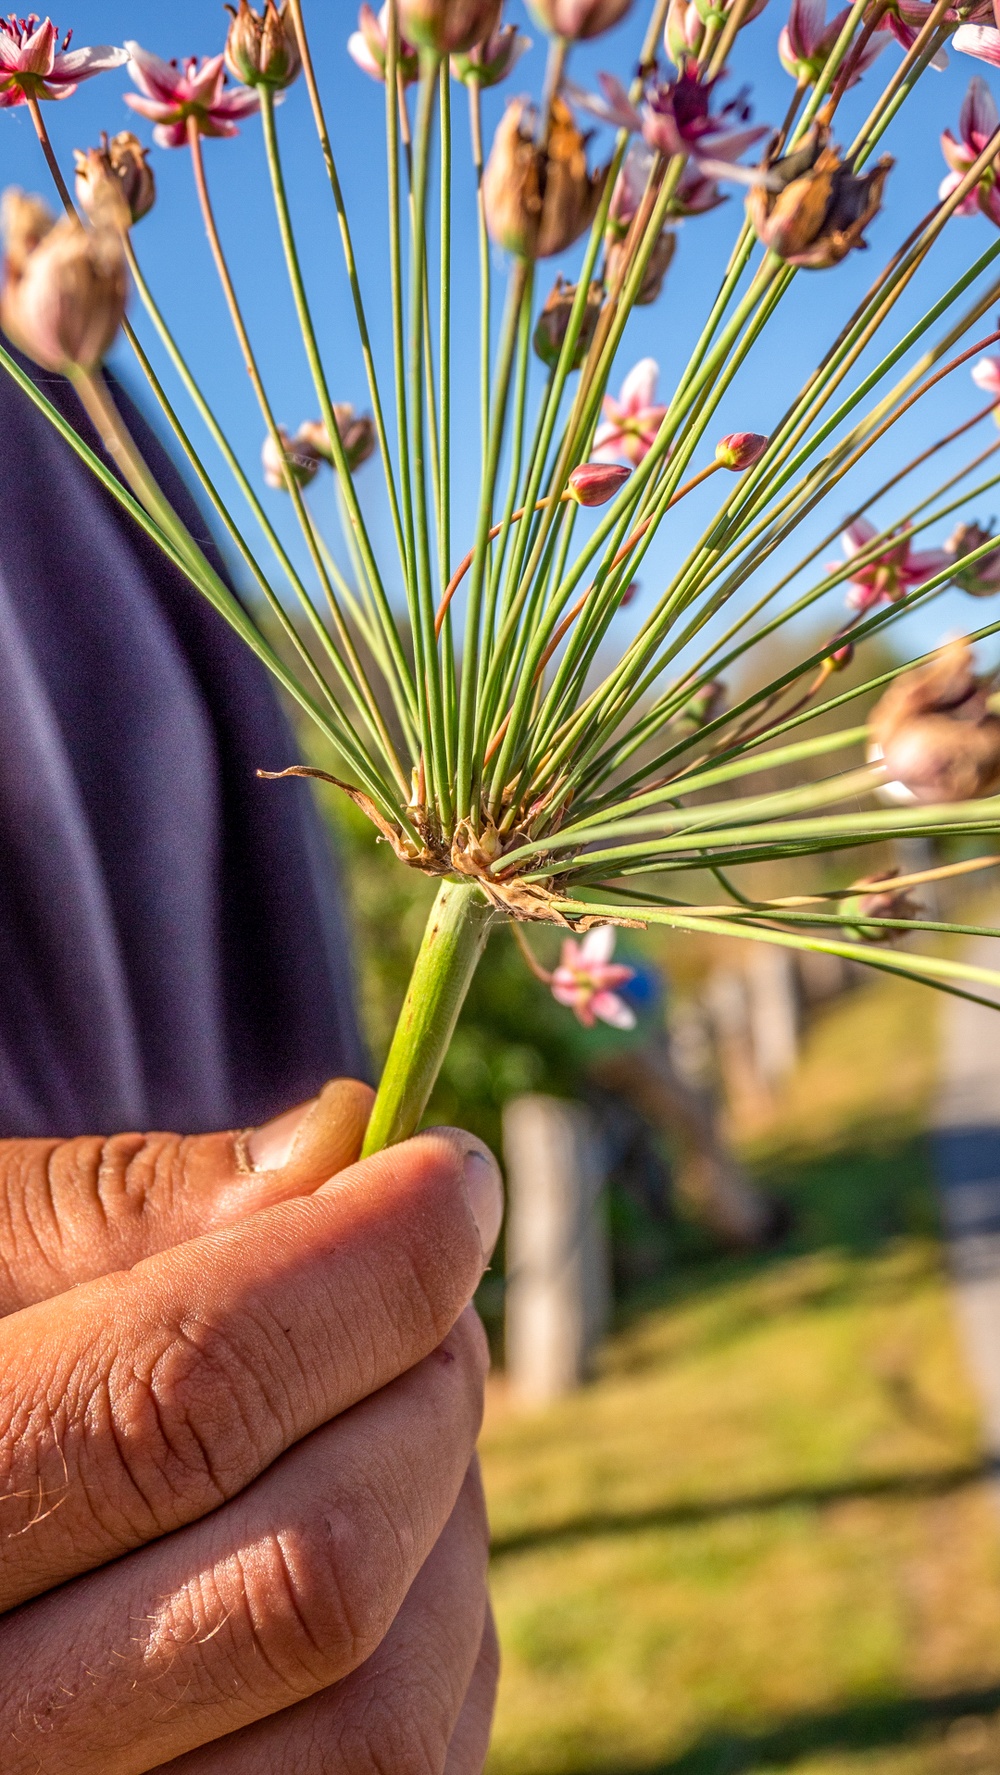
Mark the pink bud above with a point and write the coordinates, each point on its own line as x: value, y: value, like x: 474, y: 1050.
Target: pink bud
x: 740, y: 449
x: 840, y: 657
x: 594, y: 483
x: 631, y: 591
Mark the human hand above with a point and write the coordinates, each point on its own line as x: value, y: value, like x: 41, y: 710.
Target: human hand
x: 238, y: 1407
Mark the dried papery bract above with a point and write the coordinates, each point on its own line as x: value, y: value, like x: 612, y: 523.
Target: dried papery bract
x: 553, y: 322
x: 66, y: 307
x: 115, y: 182
x: 448, y: 27
x: 576, y: 20
x: 262, y: 48
x: 25, y: 221
x: 935, y: 731
x: 814, y: 210
x: 539, y: 201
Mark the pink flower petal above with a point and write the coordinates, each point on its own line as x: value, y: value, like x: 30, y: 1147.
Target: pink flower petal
x: 81, y: 64
x: 978, y: 118
x: 612, y: 1009
x: 170, y: 135
x: 239, y: 102
x: 638, y: 390
x: 806, y: 22
x: 360, y: 53
x: 857, y: 536
x: 37, y: 51
x: 982, y: 41
x: 598, y: 945
x: 153, y: 76
x: 986, y: 375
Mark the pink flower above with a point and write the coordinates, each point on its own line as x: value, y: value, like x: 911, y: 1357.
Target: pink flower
x: 977, y: 123
x: 172, y: 92
x: 906, y: 18
x: 982, y: 41
x: 31, y: 65
x: 675, y: 117
x: 633, y: 420
x: 586, y: 977
x: 986, y: 375
x: 806, y: 41
x: 369, y: 46
x: 890, y: 575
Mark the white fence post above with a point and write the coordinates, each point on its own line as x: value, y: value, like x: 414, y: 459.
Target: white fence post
x: 558, y: 1266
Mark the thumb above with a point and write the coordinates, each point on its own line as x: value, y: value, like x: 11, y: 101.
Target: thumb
x: 71, y: 1210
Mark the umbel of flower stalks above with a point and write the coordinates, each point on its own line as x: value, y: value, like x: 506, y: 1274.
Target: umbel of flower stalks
x: 262, y: 48
x: 449, y: 26
x: 115, y: 182
x: 814, y: 209
x: 66, y: 304
x: 553, y: 322
x: 935, y: 730
x: 539, y: 200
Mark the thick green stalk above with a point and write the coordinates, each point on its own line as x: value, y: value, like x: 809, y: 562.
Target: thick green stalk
x: 456, y: 933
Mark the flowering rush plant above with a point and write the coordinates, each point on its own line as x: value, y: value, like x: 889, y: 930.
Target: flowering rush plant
x: 469, y: 680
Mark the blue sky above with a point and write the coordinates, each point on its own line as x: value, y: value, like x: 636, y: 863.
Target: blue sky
x: 172, y: 248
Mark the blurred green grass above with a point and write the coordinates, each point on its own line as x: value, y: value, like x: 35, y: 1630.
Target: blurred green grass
x: 763, y: 1539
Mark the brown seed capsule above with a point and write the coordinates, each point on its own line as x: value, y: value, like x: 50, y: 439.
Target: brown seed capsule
x: 935, y: 732
x: 449, y: 26
x: 980, y: 579
x: 660, y: 260
x: 881, y: 900
x: 538, y: 202
x: 553, y: 321
x: 115, y: 183
x: 69, y: 301
x: 262, y: 49
x: 357, y: 434
x: 814, y: 209
x: 25, y: 221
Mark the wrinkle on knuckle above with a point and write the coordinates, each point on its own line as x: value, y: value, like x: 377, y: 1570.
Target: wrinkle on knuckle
x: 305, y: 1625
x: 395, y: 1732
x: 190, y: 1420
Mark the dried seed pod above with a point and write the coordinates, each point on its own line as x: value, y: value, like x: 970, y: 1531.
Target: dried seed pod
x: 115, y: 183
x: 550, y: 330
x: 67, y: 304
x: 935, y: 731
x: 539, y: 201
x: 449, y: 27
x: 814, y: 210
x: 262, y: 49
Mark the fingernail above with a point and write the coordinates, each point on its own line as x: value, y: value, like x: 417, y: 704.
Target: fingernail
x: 270, y: 1147
x: 484, y: 1189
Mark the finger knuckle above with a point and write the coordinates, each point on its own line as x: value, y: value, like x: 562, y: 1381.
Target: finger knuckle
x: 398, y: 1733
x: 313, y: 1620
x: 192, y: 1419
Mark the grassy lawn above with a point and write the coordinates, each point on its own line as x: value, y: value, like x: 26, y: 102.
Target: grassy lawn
x: 762, y: 1540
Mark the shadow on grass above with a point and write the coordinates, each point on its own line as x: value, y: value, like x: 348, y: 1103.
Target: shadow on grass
x: 888, y: 1722
x: 596, y: 1524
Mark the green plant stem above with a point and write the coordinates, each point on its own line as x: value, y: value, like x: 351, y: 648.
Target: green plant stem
x: 454, y: 939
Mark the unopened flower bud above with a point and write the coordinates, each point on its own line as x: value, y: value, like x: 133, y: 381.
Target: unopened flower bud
x: 880, y: 900
x: 739, y: 450
x: 703, y: 706
x: 660, y: 260
x: 840, y: 656
x: 934, y: 732
x: 980, y: 579
x: 357, y: 435
x: 296, y: 456
x: 630, y: 594
x: 25, y: 221
x: 539, y: 201
x: 814, y: 209
x: 578, y: 19
x: 69, y: 301
x: 115, y: 184
x: 684, y: 32
x: 449, y: 27
x: 553, y: 322
x: 262, y: 49
x: 368, y: 46
x: 489, y: 62
x: 594, y: 483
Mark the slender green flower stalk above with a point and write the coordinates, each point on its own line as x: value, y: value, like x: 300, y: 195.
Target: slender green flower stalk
x: 484, y: 718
